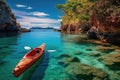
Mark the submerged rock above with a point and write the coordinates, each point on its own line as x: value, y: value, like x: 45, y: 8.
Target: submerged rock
x: 105, y: 49
x: 118, y: 72
x: 85, y: 72
x: 112, y: 61
x: 75, y: 59
x: 99, y: 42
x: 78, y: 53
x: 95, y: 54
x: 80, y: 40
x: 117, y: 50
x: 89, y: 49
x: 55, y: 72
x: 64, y: 55
x: 66, y: 61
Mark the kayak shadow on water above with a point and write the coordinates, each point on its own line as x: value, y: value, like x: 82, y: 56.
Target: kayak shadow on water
x: 37, y: 69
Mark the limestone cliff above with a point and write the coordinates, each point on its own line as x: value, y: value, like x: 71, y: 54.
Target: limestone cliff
x: 105, y: 21
x: 7, y: 18
x: 69, y: 27
x: 8, y: 21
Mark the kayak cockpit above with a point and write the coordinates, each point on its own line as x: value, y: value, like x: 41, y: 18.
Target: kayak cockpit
x: 34, y: 52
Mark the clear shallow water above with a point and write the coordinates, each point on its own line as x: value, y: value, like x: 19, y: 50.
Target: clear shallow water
x: 12, y: 50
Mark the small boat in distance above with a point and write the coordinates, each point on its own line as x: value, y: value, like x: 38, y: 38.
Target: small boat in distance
x: 28, y: 60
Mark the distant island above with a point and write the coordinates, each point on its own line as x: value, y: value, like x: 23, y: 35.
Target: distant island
x: 41, y: 28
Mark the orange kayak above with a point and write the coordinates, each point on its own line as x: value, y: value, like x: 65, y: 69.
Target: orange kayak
x: 28, y: 60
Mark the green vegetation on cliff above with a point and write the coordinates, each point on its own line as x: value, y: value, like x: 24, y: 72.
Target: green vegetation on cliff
x: 79, y: 13
x: 75, y: 11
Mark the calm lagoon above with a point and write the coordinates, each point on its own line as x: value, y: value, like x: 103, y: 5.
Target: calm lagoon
x: 51, y: 67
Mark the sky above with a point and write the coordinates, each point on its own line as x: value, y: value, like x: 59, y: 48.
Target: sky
x: 36, y: 13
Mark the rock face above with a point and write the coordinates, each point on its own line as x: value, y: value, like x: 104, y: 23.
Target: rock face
x: 7, y: 18
x: 69, y: 27
x: 74, y: 28
x: 8, y: 21
x: 105, y: 21
x: 24, y: 30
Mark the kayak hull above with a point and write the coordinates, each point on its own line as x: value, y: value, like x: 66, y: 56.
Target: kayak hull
x: 28, y: 60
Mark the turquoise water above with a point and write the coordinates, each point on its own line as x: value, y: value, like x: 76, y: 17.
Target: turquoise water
x: 12, y: 50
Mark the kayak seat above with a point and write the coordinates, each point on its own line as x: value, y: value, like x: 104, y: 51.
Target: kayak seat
x: 33, y: 52
x: 38, y: 50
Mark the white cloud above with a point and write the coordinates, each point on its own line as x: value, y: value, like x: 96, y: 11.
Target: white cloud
x: 29, y: 8
x: 22, y: 13
x: 39, y: 14
x: 37, y: 20
x: 23, y: 6
x: 28, y: 19
x: 20, y: 5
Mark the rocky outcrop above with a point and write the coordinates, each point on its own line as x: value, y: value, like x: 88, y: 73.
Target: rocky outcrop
x: 8, y: 21
x: 105, y: 21
x: 74, y: 28
x: 69, y: 27
x: 24, y: 30
x: 7, y: 18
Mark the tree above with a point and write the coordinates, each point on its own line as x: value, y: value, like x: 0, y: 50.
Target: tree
x: 75, y: 11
